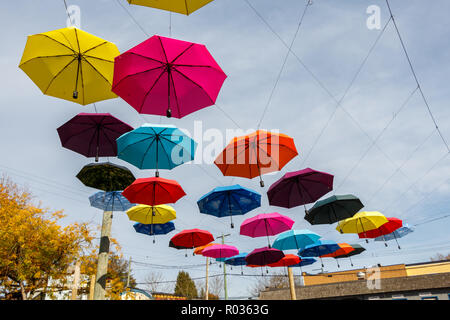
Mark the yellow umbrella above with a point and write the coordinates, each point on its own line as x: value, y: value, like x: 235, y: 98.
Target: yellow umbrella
x: 181, y: 6
x: 151, y: 214
x: 362, y: 222
x: 71, y: 64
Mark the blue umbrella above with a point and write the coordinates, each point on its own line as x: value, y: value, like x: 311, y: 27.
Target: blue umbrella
x: 158, y: 229
x: 295, y: 239
x: 110, y: 201
x: 399, y: 233
x: 229, y: 201
x: 304, y: 262
x: 156, y: 147
x: 319, y: 248
x: 237, y: 260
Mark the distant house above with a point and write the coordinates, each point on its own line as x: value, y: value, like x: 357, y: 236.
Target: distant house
x: 420, y: 281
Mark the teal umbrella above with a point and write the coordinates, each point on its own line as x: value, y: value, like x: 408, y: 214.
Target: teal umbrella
x: 295, y: 239
x: 156, y: 147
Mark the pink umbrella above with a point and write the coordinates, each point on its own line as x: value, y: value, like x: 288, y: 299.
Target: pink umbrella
x: 220, y: 251
x: 266, y: 224
x: 165, y: 76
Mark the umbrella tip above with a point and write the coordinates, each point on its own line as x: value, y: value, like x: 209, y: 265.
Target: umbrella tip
x: 75, y: 94
x: 232, y: 225
x: 261, y: 183
x: 169, y: 113
x: 157, y: 174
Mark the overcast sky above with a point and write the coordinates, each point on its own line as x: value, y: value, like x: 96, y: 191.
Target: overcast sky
x: 403, y: 174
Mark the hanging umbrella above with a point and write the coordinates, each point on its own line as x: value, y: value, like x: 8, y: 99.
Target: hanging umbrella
x: 106, y: 176
x: 156, y: 147
x: 70, y: 64
x: 171, y: 245
x: 387, y: 228
x: 256, y: 154
x: 357, y: 249
x: 305, y: 261
x: 266, y: 224
x: 154, y: 191
x: 164, y: 76
x: 154, y: 229
x: 199, y: 250
x: 264, y: 256
x: 180, y: 6
x: 344, y: 249
x: 110, y: 201
x: 150, y: 215
x: 319, y: 248
x: 92, y: 134
x: 237, y: 260
x: 220, y: 251
x: 287, y: 261
x: 192, y: 238
x: 299, y: 188
x: 399, y: 233
x: 295, y: 239
x: 229, y: 201
x: 362, y: 222
x: 333, y: 209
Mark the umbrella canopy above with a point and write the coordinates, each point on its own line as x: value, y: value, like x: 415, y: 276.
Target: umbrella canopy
x: 156, y: 147
x: 110, y: 201
x: 399, y: 233
x: 256, y: 154
x: 287, y: 261
x: 295, y: 239
x: 154, y: 191
x: 357, y: 249
x: 229, y: 201
x: 70, y: 64
x: 164, y: 76
x: 333, y: 209
x: 362, y: 222
x: 220, y: 251
x: 106, y: 176
x: 92, y: 134
x: 180, y: 6
x: 304, y: 261
x: 319, y: 248
x: 344, y: 249
x: 171, y: 245
x: 266, y: 224
x: 200, y: 249
x: 150, y: 215
x: 263, y: 256
x: 299, y: 188
x: 237, y: 260
x: 192, y: 238
x: 158, y: 228
x: 389, y: 227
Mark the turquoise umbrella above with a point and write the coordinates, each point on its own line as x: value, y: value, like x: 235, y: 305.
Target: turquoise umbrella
x: 156, y: 147
x: 295, y: 239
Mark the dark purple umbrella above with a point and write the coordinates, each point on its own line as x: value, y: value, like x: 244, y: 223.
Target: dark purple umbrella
x: 264, y: 256
x: 93, y: 134
x: 299, y: 188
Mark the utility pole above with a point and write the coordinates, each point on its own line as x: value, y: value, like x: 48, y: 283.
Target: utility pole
x: 291, y: 284
x: 224, y: 267
x: 103, y: 255
x: 207, y: 277
x: 91, y: 287
x: 76, y: 280
x: 129, y: 270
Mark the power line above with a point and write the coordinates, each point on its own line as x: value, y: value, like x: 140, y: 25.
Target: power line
x: 133, y: 18
x: 416, y: 79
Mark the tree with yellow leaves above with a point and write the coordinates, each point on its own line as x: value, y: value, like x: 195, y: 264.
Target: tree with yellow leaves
x: 36, y: 252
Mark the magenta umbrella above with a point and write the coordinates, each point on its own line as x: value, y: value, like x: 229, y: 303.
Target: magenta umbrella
x: 264, y: 256
x: 165, y: 76
x: 299, y: 188
x: 266, y: 224
x: 93, y: 134
x: 220, y: 251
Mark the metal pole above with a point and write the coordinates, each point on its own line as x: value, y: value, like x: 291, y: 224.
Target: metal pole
x: 129, y: 270
x: 207, y: 279
x: 292, y: 284
x: 103, y: 255
x: 224, y: 268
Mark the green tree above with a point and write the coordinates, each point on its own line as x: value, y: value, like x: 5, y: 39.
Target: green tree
x: 185, y: 286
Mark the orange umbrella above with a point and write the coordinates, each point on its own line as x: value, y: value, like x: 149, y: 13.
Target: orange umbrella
x: 255, y: 154
x: 199, y: 250
x: 345, y: 248
x: 286, y: 261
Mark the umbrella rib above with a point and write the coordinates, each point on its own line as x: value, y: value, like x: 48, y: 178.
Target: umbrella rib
x: 195, y: 83
x: 183, y: 52
x: 97, y: 58
x: 44, y: 35
x: 148, y: 58
x: 146, y: 151
x: 148, y: 92
x: 164, y: 51
x: 94, y: 47
x: 46, y: 57
x: 95, y: 69
x: 59, y: 73
x: 167, y: 154
x: 135, y: 74
x: 174, y: 92
x: 228, y: 165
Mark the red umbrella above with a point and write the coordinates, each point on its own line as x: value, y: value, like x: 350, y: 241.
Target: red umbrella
x: 192, y: 238
x: 287, y: 261
x: 389, y: 227
x: 153, y: 191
